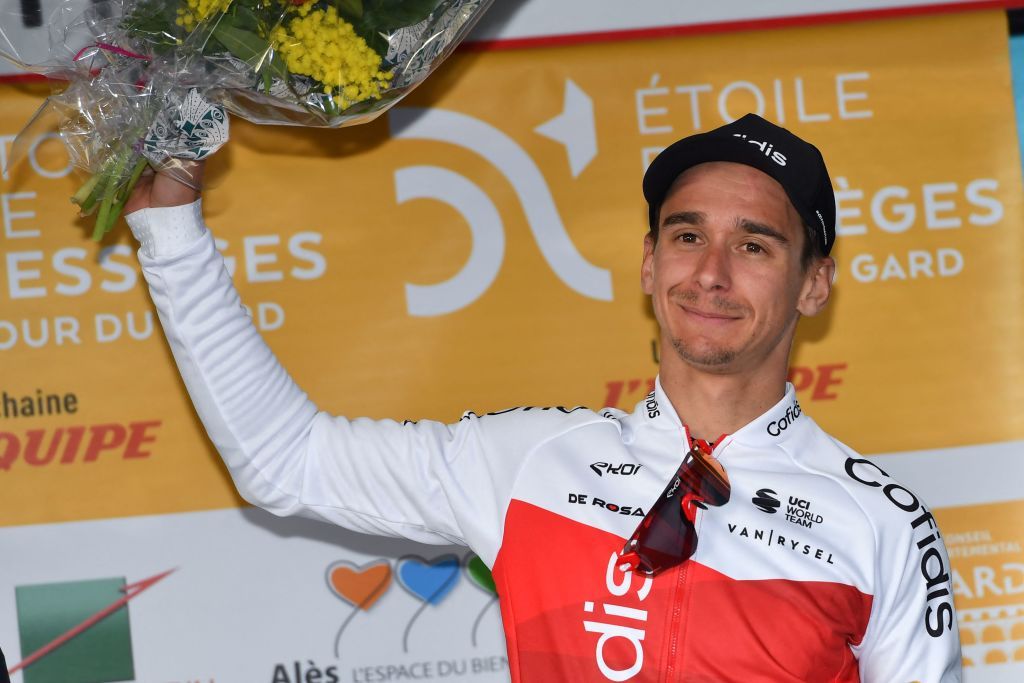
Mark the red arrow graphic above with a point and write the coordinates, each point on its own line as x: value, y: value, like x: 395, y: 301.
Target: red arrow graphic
x: 130, y: 591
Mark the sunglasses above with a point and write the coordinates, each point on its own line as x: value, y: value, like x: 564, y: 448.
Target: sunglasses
x: 667, y: 535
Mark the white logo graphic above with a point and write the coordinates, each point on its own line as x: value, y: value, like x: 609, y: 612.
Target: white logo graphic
x: 486, y: 227
x: 766, y: 147
x: 574, y: 128
x: 629, y: 635
x: 466, y: 197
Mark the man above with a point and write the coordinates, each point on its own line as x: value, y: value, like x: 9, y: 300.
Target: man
x: 853, y: 584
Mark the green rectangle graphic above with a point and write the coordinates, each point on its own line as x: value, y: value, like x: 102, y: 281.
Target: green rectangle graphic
x: 100, y: 654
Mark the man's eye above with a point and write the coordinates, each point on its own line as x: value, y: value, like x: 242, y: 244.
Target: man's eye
x: 686, y: 237
x: 753, y: 248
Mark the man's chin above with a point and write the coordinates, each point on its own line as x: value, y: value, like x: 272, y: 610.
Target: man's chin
x: 707, y: 357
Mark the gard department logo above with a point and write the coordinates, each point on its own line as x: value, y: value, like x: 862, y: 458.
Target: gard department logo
x: 77, y: 631
x: 985, y: 544
x: 765, y: 501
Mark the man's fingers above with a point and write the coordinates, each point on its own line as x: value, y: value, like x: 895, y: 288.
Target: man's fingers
x: 177, y: 185
x: 139, y: 198
x: 171, y: 186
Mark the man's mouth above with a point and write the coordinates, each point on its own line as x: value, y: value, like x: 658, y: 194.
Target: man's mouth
x: 708, y: 315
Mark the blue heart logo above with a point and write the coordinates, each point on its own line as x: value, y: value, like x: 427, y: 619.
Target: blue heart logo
x: 431, y: 582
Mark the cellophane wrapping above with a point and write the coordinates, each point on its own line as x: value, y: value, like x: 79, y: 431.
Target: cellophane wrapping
x: 147, y: 82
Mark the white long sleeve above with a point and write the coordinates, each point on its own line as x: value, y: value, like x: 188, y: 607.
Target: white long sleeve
x: 427, y: 481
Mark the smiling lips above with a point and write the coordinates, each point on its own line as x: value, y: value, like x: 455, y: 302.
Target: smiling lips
x: 712, y: 310
x: 708, y: 315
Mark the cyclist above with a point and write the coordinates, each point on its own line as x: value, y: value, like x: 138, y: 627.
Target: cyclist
x: 794, y: 558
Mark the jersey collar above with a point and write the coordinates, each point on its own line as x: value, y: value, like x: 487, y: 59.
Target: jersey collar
x: 779, y: 423
x: 783, y: 421
x: 656, y: 410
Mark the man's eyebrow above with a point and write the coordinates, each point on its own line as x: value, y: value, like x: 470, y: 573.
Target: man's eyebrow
x: 684, y: 217
x: 755, y: 228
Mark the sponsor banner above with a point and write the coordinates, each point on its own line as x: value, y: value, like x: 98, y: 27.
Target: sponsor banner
x: 478, y: 248
x: 985, y: 547
x: 448, y: 256
x: 283, y: 600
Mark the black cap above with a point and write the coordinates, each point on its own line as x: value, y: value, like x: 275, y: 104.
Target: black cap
x: 797, y: 165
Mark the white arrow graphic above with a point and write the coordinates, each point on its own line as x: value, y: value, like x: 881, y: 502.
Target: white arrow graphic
x: 574, y: 128
x: 505, y: 154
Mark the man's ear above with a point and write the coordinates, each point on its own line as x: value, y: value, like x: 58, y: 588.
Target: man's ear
x: 817, y: 286
x: 647, y: 267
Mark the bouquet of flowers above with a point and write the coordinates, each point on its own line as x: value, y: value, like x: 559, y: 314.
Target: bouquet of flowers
x: 148, y: 81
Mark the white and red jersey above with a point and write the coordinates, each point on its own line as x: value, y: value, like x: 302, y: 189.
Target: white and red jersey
x: 819, y: 568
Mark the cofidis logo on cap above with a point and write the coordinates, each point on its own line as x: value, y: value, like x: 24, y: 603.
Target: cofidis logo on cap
x: 766, y: 147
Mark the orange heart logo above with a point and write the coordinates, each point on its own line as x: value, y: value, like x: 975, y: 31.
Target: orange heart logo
x: 359, y: 586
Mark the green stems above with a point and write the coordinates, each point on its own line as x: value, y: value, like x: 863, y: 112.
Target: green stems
x: 103, y: 222
x: 87, y: 193
x: 126, y: 190
x: 109, y: 188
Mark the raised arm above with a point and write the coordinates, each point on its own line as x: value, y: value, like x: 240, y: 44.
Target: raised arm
x: 427, y: 481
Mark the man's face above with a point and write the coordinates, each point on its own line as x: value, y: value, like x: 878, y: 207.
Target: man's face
x: 725, y: 276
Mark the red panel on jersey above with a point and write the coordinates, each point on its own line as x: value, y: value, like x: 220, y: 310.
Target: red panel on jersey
x: 571, y: 615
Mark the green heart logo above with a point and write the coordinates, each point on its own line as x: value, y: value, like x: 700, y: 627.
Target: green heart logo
x: 480, y: 574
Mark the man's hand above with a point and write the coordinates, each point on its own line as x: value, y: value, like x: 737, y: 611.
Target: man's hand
x: 167, y: 188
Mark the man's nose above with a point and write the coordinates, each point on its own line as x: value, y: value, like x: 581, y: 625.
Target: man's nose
x: 713, y: 268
